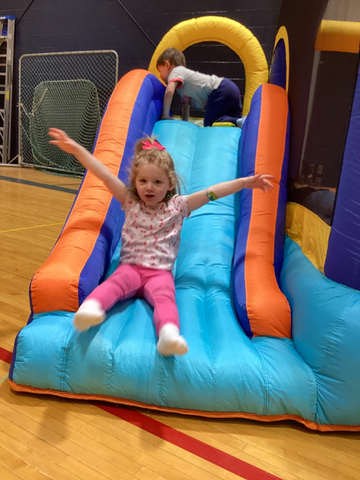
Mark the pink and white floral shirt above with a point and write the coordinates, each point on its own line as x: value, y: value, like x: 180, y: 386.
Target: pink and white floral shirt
x: 151, y: 234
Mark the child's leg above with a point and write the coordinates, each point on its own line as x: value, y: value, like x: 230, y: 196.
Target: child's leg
x: 123, y: 283
x: 224, y: 104
x: 159, y: 291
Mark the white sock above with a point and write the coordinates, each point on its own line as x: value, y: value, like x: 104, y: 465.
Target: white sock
x: 240, y: 121
x: 89, y: 314
x: 171, y: 342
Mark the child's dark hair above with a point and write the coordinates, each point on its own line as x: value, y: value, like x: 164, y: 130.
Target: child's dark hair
x: 173, y: 56
x: 151, y: 154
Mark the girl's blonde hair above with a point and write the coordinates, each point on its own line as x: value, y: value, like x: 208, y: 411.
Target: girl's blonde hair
x: 147, y: 151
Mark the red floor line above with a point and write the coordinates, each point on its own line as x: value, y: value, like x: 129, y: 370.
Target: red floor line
x: 190, y: 444
x: 171, y: 435
x: 5, y: 355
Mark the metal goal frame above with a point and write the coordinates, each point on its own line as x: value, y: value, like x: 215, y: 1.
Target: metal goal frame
x: 97, y: 66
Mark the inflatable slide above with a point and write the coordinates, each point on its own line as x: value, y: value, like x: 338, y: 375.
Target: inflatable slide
x: 235, y: 285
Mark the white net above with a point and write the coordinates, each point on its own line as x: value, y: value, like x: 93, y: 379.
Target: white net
x: 62, y: 90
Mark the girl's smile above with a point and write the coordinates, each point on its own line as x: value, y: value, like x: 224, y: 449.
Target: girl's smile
x: 152, y: 183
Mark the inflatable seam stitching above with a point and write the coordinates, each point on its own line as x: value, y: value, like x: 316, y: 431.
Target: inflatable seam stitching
x: 64, y: 363
x: 266, y: 378
x: 111, y: 372
x: 210, y: 351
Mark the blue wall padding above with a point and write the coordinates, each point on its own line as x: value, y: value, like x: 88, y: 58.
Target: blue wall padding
x: 149, y: 100
x: 343, y: 255
x: 326, y: 332
x: 279, y: 66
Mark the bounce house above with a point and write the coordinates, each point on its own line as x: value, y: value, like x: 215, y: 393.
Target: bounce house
x: 270, y: 336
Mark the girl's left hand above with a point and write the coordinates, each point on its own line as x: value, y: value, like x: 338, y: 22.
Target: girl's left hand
x: 261, y: 181
x: 62, y: 140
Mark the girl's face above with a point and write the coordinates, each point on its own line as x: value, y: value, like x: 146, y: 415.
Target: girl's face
x: 152, y: 183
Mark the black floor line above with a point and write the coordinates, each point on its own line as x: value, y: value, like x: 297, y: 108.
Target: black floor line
x: 37, y: 184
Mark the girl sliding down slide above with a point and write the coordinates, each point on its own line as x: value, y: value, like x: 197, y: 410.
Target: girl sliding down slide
x: 154, y: 214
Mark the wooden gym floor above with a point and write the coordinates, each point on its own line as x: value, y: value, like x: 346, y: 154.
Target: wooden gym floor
x: 43, y: 437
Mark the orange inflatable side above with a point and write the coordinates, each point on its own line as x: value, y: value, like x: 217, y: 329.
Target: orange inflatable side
x: 269, y: 310
x: 55, y: 284
x: 261, y: 307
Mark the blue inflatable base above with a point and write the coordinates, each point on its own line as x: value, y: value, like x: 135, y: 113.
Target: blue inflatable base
x: 312, y: 378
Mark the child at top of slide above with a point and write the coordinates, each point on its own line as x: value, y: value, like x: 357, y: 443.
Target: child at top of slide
x: 219, y: 97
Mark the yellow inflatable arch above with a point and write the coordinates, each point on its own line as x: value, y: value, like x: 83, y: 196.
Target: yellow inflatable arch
x: 283, y: 35
x: 222, y: 30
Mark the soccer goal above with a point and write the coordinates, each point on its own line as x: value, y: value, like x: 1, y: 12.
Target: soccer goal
x: 67, y: 90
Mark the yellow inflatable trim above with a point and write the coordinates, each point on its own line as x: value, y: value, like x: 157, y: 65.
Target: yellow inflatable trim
x: 310, y: 232
x: 225, y: 31
x: 336, y: 36
x: 283, y: 35
x: 223, y: 124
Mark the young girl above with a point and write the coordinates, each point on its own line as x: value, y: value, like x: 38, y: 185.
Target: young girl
x: 154, y: 214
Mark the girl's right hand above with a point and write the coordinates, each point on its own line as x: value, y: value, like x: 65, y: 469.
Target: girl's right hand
x: 261, y: 181
x: 62, y: 140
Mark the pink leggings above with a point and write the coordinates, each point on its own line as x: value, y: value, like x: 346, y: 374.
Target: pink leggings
x: 156, y: 286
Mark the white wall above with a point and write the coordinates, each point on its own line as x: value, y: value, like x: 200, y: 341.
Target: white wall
x: 343, y: 10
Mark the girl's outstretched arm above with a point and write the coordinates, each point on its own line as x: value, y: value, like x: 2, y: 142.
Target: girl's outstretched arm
x: 67, y: 144
x: 198, y: 199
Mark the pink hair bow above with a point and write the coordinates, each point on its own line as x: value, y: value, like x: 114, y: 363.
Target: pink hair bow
x: 147, y: 145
